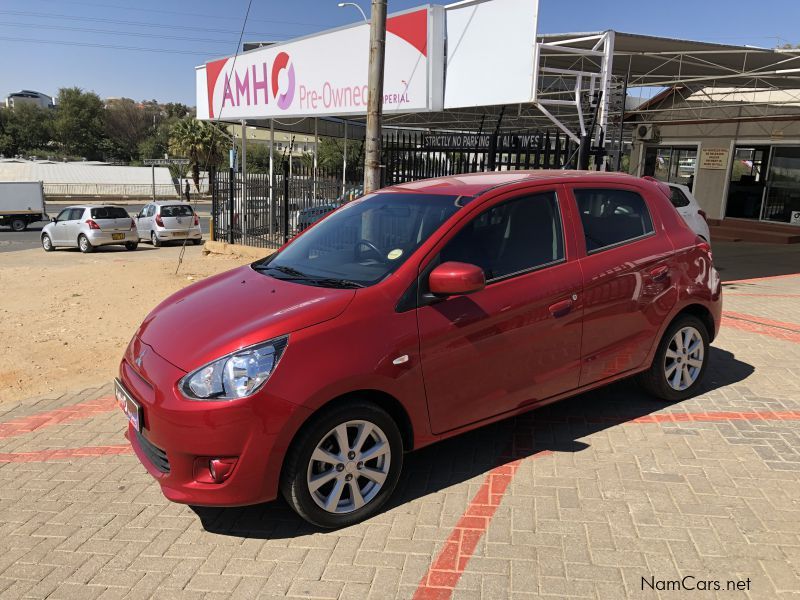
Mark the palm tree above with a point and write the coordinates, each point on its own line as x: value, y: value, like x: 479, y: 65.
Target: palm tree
x: 203, y: 143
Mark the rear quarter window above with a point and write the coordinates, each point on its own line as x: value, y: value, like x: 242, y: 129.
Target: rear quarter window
x: 678, y: 198
x: 611, y: 217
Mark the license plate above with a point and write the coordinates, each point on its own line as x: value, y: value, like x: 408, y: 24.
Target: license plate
x: 117, y: 236
x: 180, y: 233
x: 131, y: 408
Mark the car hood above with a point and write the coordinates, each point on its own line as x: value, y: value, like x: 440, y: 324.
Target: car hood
x: 235, y: 309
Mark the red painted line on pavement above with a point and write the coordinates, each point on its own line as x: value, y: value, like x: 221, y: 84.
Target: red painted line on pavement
x: 62, y: 453
x: 789, y: 332
x: 788, y: 275
x: 449, y: 564
x: 82, y: 410
x: 729, y: 294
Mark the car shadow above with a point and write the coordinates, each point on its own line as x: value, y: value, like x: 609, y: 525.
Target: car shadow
x: 558, y: 427
x: 108, y: 249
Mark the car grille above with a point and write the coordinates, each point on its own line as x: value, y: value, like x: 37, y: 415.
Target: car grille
x: 154, y: 454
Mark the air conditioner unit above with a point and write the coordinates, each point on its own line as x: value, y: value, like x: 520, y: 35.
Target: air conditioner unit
x: 647, y: 132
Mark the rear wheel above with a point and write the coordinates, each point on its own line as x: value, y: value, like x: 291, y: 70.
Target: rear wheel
x: 680, y: 361
x: 47, y: 243
x: 84, y: 244
x: 197, y: 242
x: 343, y: 466
x: 131, y: 245
x: 154, y: 240
x: 19, y: 224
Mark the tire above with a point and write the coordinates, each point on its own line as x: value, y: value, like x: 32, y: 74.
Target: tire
x: 348, y: 474
x: 671, y: 376
x: 131, y: 245
x: 19, y: 225
x: 47, y: 243
x: 84, y: 244
x: 154, y: 240
x: 197, y: 242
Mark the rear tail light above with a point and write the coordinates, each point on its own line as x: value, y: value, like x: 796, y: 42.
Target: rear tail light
x: 133, y: 224
x: 159, y: 221
x: 196, y: 220
x: 702, y: 213
x: 703, y: 245
x: 92, y: 224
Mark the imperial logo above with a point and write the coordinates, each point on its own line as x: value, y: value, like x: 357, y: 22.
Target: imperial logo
x: 283, y: 81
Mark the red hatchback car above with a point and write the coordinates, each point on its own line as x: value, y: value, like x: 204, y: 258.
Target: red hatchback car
x: 408, y: 316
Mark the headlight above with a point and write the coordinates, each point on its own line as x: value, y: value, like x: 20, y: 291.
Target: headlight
x: 235, y: 375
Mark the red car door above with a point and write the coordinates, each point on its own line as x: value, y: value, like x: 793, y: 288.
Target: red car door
x: 517, y: 341
x: 627, y: 277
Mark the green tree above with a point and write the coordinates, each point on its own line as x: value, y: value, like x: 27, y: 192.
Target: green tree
x: 25, y: 129
x: 128, y: 124
x: 78, y: 126
x: 203, y: 143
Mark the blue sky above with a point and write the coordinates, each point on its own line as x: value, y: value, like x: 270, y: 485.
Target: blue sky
x: 168, y: 38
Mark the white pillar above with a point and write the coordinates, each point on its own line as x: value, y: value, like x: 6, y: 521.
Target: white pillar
x: 271, y: 177
x: 243, y: 214
x: 344, y: 162
x: 314, y: 173
x: 605, y: 85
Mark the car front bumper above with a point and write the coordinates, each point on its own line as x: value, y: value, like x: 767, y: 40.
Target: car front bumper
x: 178, y: 437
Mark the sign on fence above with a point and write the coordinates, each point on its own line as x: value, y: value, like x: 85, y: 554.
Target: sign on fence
x: 160, y: 162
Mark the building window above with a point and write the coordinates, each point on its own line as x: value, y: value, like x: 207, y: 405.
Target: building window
x: 673, y: 164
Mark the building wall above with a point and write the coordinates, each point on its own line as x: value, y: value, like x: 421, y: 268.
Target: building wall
x: 710, y: 185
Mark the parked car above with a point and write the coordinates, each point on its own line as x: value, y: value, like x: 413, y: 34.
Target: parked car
x: 687, y: 206
x: 21, y: 203
x: 160, y: 222
x: 87, y: 227
x: 506, y: 290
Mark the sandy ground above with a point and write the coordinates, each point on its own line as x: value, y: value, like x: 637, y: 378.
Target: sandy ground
x: 66, y: 317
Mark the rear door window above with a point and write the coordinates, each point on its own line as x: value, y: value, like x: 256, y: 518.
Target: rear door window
x: 109, y: 212
x: 76, y: 214
x: 611, y: 217
x: 178, y: 210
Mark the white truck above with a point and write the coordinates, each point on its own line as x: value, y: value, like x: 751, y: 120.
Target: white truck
x: 21, y: 203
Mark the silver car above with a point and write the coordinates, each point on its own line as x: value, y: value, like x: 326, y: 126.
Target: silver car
x: 87, y: 227
x: 166, y: 221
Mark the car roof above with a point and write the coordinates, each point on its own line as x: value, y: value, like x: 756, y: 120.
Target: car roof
x: 85, y: 206
x: 471, y: 184
x: 170, y: 203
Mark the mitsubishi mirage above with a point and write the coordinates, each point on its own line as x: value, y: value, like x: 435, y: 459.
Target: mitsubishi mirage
x: 408, y: 316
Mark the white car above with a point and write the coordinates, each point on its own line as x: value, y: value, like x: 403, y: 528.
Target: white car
x: 87, y: 227
x: 686, y: 204
x: 161, y: 222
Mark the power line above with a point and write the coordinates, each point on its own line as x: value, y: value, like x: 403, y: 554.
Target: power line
x: 106, y: 46
x: 114, y: 32
x: 179, y: 13
x: 133, y: 23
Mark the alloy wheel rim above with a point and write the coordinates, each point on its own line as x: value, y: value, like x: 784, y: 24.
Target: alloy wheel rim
x: 84, y: 243
x: 684, y: 358
x: 349, y: 467
x: 46, y: 242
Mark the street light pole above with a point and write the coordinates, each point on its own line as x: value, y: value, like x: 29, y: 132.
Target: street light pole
x: 377, y: 46
x: 361, y: 10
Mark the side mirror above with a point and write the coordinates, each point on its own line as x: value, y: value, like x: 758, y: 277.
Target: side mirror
x: 455, y: 278
x: 53, y: 219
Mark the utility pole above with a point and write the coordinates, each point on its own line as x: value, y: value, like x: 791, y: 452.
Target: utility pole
x: 377, y: 47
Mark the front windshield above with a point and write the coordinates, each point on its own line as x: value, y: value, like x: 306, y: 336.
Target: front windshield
x: 364, y: 241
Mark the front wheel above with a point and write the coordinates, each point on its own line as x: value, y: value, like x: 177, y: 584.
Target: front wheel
x: 47, y: 243
x: 680, y: 361
x: 343, y: 466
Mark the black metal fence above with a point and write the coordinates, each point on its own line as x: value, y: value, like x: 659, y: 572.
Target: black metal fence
x: 255, y: 213
x: 263, y: 217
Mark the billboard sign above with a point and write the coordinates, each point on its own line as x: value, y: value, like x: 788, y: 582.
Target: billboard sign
x: 326, y: 74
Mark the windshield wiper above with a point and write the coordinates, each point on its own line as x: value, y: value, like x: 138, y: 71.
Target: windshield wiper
x: 340, y: 283
x: 286, y: 270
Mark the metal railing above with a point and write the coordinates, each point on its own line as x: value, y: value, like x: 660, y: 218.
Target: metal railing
x: 117, y: 190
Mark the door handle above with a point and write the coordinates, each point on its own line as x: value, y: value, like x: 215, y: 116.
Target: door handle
x: 659, y: 273
x: 559, y: 309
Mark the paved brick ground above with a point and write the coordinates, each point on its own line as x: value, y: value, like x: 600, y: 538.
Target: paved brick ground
x: 580, y: 499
